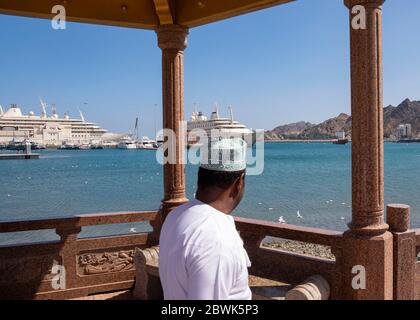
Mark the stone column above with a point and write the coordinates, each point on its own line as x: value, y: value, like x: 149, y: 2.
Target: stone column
x: 368, y: 244
x: 367, y: 120
x: 172, y: 39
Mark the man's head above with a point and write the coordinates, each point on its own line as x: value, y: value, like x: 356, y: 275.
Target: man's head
x: 228, y: 186
x: 221, y: 176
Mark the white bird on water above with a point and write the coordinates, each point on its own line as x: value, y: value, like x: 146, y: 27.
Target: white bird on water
x: 281, y: 220
x: 133, y: 230
x: 299, y: 215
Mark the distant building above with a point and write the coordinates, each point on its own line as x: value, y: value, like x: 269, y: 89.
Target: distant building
x: 340, y: 135
x: 404, y: 131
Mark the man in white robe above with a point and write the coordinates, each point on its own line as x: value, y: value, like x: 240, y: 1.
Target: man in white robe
x: 201, y: 253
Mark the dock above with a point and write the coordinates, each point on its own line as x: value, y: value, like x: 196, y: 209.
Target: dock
x: 19, y: 156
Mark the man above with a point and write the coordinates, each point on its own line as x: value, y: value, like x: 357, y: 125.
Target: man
x: 201, y: 254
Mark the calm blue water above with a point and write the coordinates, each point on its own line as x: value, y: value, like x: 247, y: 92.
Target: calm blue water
x: 311, y: 178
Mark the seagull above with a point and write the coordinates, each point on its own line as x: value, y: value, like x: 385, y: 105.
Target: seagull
x: 342, y: 218
x: 133, y: 230
x: 259, y: 203
x: 281, y: 220
x: 299, y: 215
x: 270, y: 209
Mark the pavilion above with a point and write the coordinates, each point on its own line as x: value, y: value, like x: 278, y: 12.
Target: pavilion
x: 386, y: 250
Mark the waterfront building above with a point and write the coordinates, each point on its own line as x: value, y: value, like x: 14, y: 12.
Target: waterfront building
x: 404, y: 131
x: 340, y: 135
x: 47, y: 130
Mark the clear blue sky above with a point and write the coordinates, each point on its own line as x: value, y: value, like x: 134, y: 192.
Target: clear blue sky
x: 276, y: 66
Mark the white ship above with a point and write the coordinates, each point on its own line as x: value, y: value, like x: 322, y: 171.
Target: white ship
x: 46, y: 130
x: 216, y: 126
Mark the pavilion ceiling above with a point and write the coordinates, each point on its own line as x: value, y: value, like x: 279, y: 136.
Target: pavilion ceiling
x: 144, y: 14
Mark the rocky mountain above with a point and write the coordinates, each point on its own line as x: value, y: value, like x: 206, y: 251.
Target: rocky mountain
x: 289, y: 130
x: 406, y: 112
x: 328, y: 128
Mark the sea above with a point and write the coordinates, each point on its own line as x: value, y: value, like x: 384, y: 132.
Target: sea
x: 306, y: 184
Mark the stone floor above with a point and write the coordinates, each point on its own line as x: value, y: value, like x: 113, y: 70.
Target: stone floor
x: 262, y: 289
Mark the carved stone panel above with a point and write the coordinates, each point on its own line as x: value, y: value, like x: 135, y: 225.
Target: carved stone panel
x: 105, y: 262
x: 27, y: 269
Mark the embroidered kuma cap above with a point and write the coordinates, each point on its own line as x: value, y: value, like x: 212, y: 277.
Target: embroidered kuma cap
x: 226, y: 154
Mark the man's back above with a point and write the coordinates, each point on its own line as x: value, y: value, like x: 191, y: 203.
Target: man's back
x: 202, y: 255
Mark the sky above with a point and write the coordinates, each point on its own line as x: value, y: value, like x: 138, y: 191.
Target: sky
x: 276, y: 66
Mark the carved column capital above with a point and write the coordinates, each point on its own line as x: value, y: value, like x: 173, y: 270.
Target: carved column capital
x: 172, y: 37
x: 352, y: 3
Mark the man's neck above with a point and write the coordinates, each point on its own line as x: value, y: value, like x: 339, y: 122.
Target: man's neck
x: 217, y: 203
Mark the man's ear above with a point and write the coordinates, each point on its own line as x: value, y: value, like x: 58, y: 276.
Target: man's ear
x: 240, y: 183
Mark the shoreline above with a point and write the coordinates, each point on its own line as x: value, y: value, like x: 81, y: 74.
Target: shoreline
x: 331, y: 141
x: 301, y: 141
x: 299, y: 247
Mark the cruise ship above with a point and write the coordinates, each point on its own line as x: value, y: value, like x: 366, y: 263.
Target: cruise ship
x: 216, y: 125
x: 47, y: 130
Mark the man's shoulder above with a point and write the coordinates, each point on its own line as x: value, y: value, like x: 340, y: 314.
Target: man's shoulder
x: 196, y: 221
x: 192, y: 211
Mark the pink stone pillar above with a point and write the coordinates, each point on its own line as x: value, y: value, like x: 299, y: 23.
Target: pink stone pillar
x: 367, y: 243
x: 367, y: 120
x: 172, y: 39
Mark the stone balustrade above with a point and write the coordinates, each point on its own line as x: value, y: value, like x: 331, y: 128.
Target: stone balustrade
x: 103, y: 264
x: 73, y: 266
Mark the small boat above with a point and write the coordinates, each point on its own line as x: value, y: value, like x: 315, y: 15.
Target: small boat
x: 37, y: 146
x: 85, y: 146
x: 109, y: 144
x: 147, y: 144
x: 127, y: 143
x: 341, y: 141
x: 17, y: 144
x: 68, y: 146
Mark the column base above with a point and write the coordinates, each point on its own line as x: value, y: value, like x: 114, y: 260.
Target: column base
x: 367, y: 267
x: 169, y: 205
x: 166, y: 207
